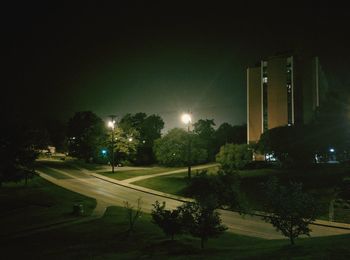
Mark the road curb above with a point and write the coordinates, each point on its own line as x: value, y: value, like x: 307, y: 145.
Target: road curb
x: 134, y: 187
x: 337, y: 225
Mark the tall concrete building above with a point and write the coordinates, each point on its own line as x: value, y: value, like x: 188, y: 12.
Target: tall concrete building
x: 282, y: 90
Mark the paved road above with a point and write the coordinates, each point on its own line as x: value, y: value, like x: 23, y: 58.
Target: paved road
x: 109, y: 194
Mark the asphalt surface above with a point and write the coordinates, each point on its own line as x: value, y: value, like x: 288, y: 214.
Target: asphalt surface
x: 111, y: 194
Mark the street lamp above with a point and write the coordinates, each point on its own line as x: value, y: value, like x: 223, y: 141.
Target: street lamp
x: 111, y: 124
x: 186, y: 119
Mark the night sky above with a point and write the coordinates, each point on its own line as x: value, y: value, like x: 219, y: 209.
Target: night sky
x: 155, y: 58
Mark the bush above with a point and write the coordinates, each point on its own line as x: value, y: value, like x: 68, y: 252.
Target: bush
x: 168, y: 220
x: 217, y: 191
x: 234, y: 157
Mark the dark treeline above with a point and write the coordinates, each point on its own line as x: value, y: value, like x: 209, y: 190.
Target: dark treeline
x: 137, y: 140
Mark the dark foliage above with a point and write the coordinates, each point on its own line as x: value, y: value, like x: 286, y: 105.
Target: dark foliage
x: 18, y: 150
x: 290, y: 209
x: 293, y: 146
x: 86, y: 135
x: 234, y: 157
x: 149, y: 129
x: 217, y: 191
x: 201, y: 221
x: 168, y: 220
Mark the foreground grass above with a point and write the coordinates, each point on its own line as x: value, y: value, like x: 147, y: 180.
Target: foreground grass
x: 107, y: 238
x: 321, y: 181
x: 38, y: 204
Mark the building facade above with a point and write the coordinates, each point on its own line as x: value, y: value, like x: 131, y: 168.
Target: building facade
x: 282, y: 90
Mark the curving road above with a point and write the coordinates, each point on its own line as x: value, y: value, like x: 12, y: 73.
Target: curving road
x: 111, y: 194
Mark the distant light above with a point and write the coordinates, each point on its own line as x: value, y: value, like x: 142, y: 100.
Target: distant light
x: 186, y: 118
x: 104, y: 151
x: 111, y: 124
x: 144, y: 141
x: 130, y: 139
x: 73, y: 137
x: 332, y: 150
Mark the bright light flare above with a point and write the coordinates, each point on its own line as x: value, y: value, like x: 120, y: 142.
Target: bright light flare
x: 111, y: 124
x: 186, y: 118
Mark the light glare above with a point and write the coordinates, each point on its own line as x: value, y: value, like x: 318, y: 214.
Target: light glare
x: 111, y: 124
x: 186, y: 118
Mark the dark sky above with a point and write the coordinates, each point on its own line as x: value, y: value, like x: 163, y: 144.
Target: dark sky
x: 156, y: 58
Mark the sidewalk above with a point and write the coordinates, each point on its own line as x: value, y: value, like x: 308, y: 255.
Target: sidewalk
x: 138, y: 178
x: 183, y: 199
x: 135, y: 187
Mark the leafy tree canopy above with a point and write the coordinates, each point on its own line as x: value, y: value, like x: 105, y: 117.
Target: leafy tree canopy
x: 172, y: 149
x: 149, y: 129
x: 86, y: 135
x: 201, y: 221
x: 234, y: 157
x: 293, y: 146
x: 291, y: 210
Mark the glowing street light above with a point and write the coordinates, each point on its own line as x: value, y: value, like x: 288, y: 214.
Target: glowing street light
x: 111, y: 124
x: 187, y: 119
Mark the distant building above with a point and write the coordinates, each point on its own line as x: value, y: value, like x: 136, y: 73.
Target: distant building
x: 282, y: 90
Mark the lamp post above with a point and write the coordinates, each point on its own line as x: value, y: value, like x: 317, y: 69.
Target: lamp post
x: 111, y: 124
x: 186, y: 119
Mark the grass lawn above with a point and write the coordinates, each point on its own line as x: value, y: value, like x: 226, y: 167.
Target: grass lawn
x: 122, y: 175
x: 321, y: 181
x: 106, y: 238
x: 173, y: 184
x: 38, y: 204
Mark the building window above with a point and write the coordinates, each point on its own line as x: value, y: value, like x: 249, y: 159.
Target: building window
x: 289, y: 91
x: 265, y: 96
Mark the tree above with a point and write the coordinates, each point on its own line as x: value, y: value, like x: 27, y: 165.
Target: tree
x: 331, y: 124
x: 149, y: 132
x: 201, y: 221
x: 228, y: 134
x: 86, y: 135
x: 223, y: 135
x: 205, y: 132
x: 217, y: 191
x: 149, y: 128
x: 18, y: 150
x: 132, y: 214
x: 290, y: 209
x: 171, y: 149
x: 293, y: 146
x: 168, y: 220
x: 234, y: 157
x: 124, y: 144
x: 57, y: 134
x: 239, y: 134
